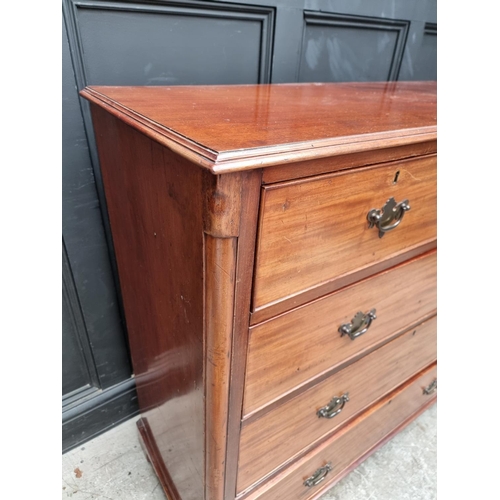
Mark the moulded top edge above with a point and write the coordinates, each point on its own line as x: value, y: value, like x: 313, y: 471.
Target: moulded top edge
x: 239, y: 127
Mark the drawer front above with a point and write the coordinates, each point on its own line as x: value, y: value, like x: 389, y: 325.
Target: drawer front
x: 293, y: 348
x: 351, y: 443
x: 316, y: 230
x: 269, y: 441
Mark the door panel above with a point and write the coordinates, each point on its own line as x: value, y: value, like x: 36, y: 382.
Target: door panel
x: 344, y: 48
x: 78, y: 370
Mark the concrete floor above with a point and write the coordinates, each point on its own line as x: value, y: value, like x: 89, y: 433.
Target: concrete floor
x: 113, y: 467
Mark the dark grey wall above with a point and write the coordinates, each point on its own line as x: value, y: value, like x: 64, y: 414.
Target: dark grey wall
x: 190, y: 42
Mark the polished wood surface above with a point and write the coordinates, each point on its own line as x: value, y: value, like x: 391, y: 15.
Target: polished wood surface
x: 332, y: 482
x: 316, y: 229
x: 154, y: 457
x: 277, y: 437
x: 177, y: 230
x: 152, y: 195
x: 219, y: 286
x: 227, y: 287
x: 357, y: 439
x: 337, y: 283
x: 291, y: 349
x: 233, y: 331
x: 317, y: 166
x: 227, y: 128
x: 250, y: 200
x: 221, y: 226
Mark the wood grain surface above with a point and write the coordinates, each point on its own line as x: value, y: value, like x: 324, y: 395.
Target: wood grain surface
x: 280, y: 435
x: 234, y: 127
x: 317, y: 166
x: 153, y: 455
x: 155, y: 205
x: 250, y: 198
x: 220, y: 254
x: 289, y: 350
x: 315, y: 230
x: 352, y: 442
x: 227, y: 297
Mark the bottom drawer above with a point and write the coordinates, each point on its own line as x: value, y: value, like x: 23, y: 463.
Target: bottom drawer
x: 329, y: 462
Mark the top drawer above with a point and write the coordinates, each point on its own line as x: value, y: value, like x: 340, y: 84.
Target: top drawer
x: 314, y: 231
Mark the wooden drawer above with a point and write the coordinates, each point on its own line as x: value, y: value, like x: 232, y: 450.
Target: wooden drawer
x: 290, y: 350
x: 352, y: 444
x: 315, y: 230
x: 279, y: 435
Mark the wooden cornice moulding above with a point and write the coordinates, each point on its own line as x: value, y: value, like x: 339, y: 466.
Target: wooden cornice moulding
x: 327, y: 140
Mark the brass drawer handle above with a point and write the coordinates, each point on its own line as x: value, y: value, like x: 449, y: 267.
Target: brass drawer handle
x: 318, y: 476
x: 431, y: 388
x: 359, y: 324
x: 334, y: 407
x: 389, y: 217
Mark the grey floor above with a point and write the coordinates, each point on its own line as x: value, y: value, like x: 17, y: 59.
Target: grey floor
x: 113, y: 467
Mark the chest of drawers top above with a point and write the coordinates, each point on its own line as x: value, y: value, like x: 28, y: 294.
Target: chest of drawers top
x: 259, y: 232
x: 231, y: 128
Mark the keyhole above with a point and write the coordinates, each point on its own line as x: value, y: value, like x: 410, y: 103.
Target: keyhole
x: 396, y: 177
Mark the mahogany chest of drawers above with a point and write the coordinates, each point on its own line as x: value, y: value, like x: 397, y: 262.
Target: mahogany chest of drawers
x: 276, y: 249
